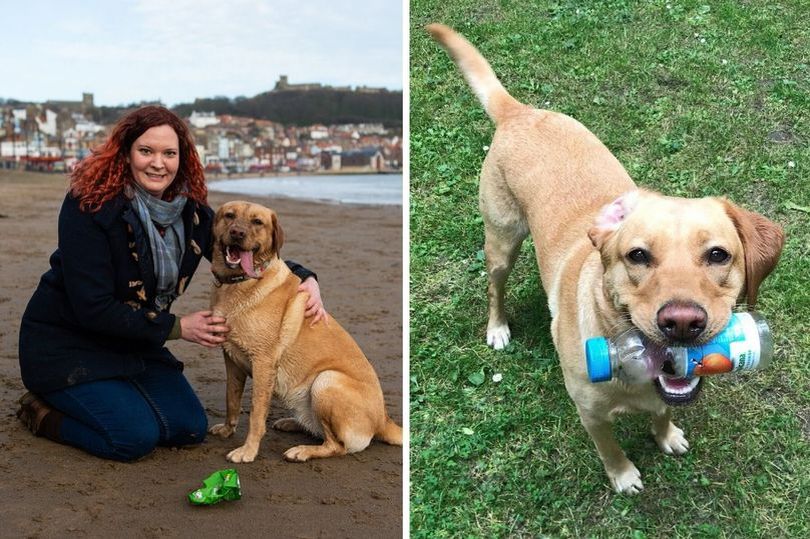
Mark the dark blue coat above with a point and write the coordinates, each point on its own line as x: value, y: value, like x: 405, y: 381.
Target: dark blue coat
x: 93, y: 315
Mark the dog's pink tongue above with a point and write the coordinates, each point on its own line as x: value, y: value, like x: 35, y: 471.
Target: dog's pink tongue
x: 678, y: 383
x: 246, y: 261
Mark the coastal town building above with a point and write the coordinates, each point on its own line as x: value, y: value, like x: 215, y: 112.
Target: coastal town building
x: 201, y: 120
x: 84, y: 106
x: 283, y: 84
x: 55, y: 135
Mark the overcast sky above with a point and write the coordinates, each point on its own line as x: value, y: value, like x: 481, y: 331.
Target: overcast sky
x: 126, y: 51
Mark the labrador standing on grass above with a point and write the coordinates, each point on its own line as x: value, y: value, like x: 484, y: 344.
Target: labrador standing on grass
x: 611, y: 256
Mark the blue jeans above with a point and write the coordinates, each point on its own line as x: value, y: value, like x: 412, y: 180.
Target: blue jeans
x: 126, y: 418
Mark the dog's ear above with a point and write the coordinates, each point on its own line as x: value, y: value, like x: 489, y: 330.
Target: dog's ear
x: 278, y: 235
x: 610, y: 218
x: 221, y: 212
x: 762, y: 242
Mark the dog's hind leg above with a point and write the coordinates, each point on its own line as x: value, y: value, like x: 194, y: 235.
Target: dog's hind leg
x: 341, y: 409
x: 501, y: 249
x: 505, y: 228
x: 288, y: 424
x: 330, y: 447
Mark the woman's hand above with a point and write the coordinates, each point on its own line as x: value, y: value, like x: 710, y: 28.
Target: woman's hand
x: 203, y: 328
x: 314, y: 308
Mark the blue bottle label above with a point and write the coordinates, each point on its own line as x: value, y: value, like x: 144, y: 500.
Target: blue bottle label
x: 735, y: 348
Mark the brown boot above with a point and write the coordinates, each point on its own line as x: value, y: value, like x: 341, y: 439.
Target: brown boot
x: 39, y: 417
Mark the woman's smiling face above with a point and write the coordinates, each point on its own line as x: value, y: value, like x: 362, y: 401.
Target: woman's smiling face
x: 154, y: 158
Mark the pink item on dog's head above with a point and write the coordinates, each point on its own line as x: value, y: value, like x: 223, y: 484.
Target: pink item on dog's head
x: 611, y: 216
x: 614, y: 213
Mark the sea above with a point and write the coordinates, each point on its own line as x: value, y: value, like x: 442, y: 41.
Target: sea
x: 376, y: 189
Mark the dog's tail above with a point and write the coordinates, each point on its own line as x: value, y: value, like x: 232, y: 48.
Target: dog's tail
x: 391, y: 433
x: 496, y: 100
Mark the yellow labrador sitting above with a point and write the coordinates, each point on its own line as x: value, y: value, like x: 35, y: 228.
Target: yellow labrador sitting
x: 318, y: 371
x: 611, y: 256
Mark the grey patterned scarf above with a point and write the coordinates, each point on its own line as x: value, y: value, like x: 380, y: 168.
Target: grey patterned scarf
x: 167, y: 250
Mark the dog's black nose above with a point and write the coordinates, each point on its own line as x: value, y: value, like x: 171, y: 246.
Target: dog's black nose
x: 237, y: 233
x: 681, y: 321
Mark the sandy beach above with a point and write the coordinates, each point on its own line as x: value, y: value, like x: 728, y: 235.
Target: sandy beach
x: 51, y: 490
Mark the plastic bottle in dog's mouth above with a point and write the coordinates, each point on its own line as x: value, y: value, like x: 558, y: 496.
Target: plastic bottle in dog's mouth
x: 745, y: 344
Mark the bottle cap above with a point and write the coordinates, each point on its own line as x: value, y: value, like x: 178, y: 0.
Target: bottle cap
x: 597, y: 358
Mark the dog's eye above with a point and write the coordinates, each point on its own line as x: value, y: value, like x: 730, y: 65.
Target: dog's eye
x: 638, y: 256
x: 257, y: 222
x: 230, y: 215
x: 716, y: 255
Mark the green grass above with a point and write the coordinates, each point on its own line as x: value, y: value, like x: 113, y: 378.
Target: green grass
x: 695, y: 99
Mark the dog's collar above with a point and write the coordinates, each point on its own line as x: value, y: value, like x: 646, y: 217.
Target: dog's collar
x: 219, y: 281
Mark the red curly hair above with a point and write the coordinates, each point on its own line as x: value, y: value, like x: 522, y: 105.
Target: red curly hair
x: 106, y: 172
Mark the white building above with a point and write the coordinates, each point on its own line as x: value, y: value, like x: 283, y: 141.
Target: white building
x: 48, y: 126
x: 319, y: 132
x: 36, y: 147
x: 200, y: 152
x: 223, y: 149
x: 17, y: 148
x: 201, y: 120
x: 71, y: 140
x: 307, y: 163
x: 83, y: 125
x: 371, y: 129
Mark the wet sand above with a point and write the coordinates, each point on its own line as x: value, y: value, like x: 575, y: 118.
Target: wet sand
x: 51, y: 490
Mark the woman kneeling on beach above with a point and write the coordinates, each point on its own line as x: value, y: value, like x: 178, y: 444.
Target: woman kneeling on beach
x: 132, y: 230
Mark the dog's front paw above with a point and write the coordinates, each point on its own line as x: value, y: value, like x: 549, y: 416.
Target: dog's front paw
x: 627, y: 480
x: 243, y: 454
x: 498, y: 337
x: 223, y: 430
x: 672, y: 442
